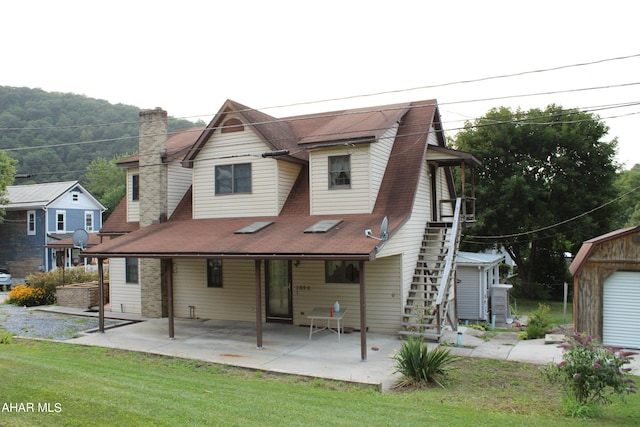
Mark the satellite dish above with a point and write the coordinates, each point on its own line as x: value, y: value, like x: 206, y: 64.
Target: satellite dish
x: 80, y: 238
x: 384, y: 233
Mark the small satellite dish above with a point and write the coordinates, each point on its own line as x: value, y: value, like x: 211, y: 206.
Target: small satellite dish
x: 80, y: 238
x: 384, y: 233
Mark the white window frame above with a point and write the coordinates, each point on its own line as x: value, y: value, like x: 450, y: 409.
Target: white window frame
x: 64, y: 221
x: 337, y: 175
x: 75, y: 197
x: 88, y: 226
x: 31, y: 221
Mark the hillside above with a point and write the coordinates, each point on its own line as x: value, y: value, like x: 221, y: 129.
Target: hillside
x: 54, y: 136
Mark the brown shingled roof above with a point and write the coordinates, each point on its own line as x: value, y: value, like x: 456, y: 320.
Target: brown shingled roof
x: 178, y: 143
x: 117, y: 222
x: 182, y: 236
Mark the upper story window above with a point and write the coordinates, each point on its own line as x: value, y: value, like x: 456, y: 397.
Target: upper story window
x: 232, y: 125
x: 232, y: 179
x: 75, y: 197
x: 135, y: 187
x: 88, y: 221
x: 31, y: 223
x: 340, y: 171
x: 61, y: 221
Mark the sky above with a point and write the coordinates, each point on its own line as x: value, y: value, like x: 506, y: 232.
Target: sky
x: 189, y: 56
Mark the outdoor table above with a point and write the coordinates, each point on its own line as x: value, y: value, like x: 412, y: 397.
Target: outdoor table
x: 325, y: 314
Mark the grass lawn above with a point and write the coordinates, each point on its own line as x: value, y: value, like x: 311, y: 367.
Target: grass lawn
x: 525, y: 307
x: 98, y: 386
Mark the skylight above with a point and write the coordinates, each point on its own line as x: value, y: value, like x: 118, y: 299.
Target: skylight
x: 323, y: 226
x: 254, y: 228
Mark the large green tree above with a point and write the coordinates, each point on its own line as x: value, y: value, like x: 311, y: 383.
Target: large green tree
x: 7, y: 173
x: 543, y: 173
x: 106, y: 181
x: 628, y: 184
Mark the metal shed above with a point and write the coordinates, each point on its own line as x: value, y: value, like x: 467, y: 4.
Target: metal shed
x: 606, y: 285
x: 476, y: 274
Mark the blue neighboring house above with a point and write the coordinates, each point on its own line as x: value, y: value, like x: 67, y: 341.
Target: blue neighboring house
x: 37, y: 215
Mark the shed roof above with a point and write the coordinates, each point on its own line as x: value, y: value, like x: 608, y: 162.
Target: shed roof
x: 588, y: 246
x: 477, y: 258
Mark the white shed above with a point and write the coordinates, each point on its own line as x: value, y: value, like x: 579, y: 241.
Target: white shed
x: 476, y: 274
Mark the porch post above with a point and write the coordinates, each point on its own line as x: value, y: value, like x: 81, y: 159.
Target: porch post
x: 258, y: 305
x: 363, y: 316
x: 169, y: 273
x: 100, y: 295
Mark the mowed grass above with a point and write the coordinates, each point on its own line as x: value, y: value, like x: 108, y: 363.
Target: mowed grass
x: 107, y: 387
x: 556, y: 314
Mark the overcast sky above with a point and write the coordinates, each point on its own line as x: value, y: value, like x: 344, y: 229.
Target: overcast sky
x: 189, y: 56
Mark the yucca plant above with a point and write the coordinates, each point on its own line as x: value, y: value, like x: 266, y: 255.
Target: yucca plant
x: 419, y: 365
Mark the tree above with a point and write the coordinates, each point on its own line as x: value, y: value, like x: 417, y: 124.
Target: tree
x: 7, y: 173
x: 628, y: 184
x: 107, y: 182
x: 543, y: 173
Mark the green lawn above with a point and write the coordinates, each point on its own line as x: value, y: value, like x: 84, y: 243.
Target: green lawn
x: 525, y: 307
x: 98, y: 386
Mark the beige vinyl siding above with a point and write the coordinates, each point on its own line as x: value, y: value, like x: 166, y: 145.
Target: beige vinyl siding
x: 123, y: 297
x: 236, y: 300
x: 179, y: 181
x: 133, y: 207
x: 287, y: 175
x: 432, y: 139
x: 382, y: 280
x: 228, y: 149
x: 380, y: 152
x: 356, y: 199
x: 408, y: 240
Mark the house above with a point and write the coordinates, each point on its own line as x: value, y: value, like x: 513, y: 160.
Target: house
x: 606, y: 288
x: 477, y: 274
x: 40, y: 214
x: 279, y: 216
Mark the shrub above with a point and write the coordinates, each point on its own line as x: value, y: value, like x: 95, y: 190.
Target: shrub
x: 6, y: 337
x: 590, y: 374
x: 418, y: 365
x: 28, y: 296
x: 539, y: 322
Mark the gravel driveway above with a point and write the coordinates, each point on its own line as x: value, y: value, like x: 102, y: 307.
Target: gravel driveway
x: 30, y: 322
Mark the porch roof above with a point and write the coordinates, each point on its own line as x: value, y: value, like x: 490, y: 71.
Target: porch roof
x: 284, y: 238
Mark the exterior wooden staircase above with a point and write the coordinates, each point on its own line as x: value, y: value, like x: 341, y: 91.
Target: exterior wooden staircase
x: 430, y: 303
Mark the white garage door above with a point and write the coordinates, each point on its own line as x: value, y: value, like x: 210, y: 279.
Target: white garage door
x: 621, y: 309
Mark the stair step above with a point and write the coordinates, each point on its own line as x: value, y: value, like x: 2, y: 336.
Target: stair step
x: 417, y: 299
x: 424, y: 291
x: 407, y: 316
x: 430, y: 336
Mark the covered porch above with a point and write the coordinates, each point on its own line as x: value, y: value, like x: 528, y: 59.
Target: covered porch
x: 286, y: 348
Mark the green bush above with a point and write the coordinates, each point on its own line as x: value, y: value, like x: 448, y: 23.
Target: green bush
x: 418, y: 365
x: 539, y: 322
x: 590, y: 374
x: 6, y: 337
x: 40, y: 288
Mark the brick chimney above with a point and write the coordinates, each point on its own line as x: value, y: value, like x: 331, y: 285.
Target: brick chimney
x: 153, y: 174
x: 153, y: 205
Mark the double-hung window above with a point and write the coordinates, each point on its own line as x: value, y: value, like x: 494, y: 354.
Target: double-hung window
x: 131, y: 270
x: 88, y: 221
x: 340, y: 171
x: 61, y: 221
x: 135, y: 187
x: 232, y: 179
x: 214, y: 273
x: 31, y: 223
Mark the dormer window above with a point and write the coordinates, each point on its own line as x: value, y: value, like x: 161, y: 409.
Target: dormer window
x: 232, y: 125
x: 232, y: 179
x: 339, y: 172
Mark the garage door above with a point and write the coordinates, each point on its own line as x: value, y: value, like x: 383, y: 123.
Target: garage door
x: 621, y: 309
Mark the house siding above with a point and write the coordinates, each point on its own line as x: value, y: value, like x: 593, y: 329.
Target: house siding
x: 21, y: 253
x: 357, y: 199
x: 243, y: 147
x: 124, y: 297
x: 133, y: 207
x: 379, y: 158
x: 234, y: 301
x: 287, y: 175
x: 179, y: 180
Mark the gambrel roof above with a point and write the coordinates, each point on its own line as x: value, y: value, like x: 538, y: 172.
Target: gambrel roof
x: 287, y: 234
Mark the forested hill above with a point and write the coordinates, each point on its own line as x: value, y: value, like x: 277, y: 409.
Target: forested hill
x: 72, y: 130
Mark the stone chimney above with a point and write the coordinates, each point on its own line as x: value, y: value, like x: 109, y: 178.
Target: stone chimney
x: 153, y: 205
x: 153, y: 173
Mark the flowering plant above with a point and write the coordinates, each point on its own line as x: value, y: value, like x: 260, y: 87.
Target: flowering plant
x: 591, y: 373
